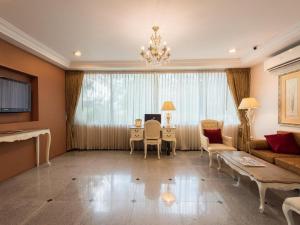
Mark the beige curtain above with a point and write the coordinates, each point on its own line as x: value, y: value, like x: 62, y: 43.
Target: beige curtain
x: 73, y: 88
x: 239, y: 84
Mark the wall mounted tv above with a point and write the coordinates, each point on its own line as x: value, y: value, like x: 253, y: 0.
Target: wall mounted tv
x: 15, y: 96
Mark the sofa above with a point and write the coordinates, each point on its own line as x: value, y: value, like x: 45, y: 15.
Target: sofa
x: 261, y: 149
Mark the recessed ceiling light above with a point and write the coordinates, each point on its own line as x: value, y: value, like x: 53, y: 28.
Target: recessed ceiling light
x: 233, y: 50
x: 77, y: 53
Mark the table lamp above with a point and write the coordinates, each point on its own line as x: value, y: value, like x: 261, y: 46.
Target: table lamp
x: 168, y: 106
x: 249, y: 104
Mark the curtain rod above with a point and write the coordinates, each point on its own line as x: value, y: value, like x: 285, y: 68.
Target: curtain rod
x: 153, y: 71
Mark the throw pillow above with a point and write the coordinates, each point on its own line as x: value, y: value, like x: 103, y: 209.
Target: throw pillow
x: 214, y: 136
x: 283, y: 143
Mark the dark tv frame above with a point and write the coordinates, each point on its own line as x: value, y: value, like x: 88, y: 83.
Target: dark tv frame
x: 18, y: 110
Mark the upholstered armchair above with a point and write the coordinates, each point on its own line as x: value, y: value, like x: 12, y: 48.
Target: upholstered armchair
x: 213, y: 148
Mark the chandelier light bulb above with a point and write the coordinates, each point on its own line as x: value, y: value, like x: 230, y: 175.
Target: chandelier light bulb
x: 143, y: 48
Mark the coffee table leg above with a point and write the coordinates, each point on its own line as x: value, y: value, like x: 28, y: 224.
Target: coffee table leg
x: 262, y: 193
x: 237, y: 179
x: 219, y: 161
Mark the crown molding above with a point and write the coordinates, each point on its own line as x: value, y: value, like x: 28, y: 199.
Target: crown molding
x: 275, y: 44
x: 186, y: 64
x: 17, y: 37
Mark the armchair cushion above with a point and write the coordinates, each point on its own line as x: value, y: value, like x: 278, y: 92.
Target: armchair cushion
x: 219, y: 147
x: 214, y: 136
x: 283, y: 143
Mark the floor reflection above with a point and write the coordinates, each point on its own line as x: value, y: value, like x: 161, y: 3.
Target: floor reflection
x: 114, y: 188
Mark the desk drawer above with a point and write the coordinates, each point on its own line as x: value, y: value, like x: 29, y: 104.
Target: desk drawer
x: 168, y: 130
x: 168, y: 135
x: 136, y: 133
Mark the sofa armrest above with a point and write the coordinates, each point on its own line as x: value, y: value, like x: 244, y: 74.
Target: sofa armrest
x: 227, y: 140
x: 204, y: 141
x: 259, y: 144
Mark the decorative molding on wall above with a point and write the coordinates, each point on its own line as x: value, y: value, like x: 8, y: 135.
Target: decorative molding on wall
x: 19, y: 38
x: 193, y: 64
x: 277, y: 43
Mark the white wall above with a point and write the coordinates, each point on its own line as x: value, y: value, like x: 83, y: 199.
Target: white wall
x: 264, y: 87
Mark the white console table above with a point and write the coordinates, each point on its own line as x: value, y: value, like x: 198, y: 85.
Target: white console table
x: 28, y: 134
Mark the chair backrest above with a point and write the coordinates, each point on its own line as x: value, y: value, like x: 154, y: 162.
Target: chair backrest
x: 210, y: 124
x: 152, y: 129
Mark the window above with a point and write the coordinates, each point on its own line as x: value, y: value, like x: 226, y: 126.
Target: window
x: 119, y: 99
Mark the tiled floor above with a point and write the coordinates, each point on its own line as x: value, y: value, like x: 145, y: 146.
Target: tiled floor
x: 114, y: 188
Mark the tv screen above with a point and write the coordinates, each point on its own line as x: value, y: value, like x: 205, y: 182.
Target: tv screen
x: 15, y: 96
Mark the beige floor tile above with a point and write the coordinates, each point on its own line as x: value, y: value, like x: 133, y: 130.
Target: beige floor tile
x: 114, y: 188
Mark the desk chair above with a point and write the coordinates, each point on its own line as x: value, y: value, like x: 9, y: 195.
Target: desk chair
x: 152, y: 136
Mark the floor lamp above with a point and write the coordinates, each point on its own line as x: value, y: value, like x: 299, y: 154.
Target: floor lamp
x: 249, y: 104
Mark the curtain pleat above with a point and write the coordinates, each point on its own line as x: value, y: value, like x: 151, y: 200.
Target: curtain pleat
x: 73, y: 84
x: 109, y: 103
x: 239, y: 84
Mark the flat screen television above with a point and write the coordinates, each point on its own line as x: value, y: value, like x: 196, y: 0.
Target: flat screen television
x: 15, y: 96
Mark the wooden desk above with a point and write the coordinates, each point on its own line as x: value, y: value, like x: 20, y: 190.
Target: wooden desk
x: 168, y: 134
x: 28, y: 134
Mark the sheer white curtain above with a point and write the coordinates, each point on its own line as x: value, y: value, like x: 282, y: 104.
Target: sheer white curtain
x: 109, y: 104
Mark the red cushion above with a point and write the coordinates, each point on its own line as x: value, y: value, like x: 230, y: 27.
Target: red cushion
x: 283, y: 143
x: 214, y: 135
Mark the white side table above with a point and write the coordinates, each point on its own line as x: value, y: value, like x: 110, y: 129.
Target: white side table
x: 289, y: 205
x: 28, y: 134
x: 136, y: 134
x: 169, y: 135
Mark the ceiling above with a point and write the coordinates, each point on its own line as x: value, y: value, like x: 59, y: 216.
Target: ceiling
x: 113, y: 31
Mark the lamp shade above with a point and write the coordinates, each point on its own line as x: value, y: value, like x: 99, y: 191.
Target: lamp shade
x: 248, y: 103
x: 168, y: 106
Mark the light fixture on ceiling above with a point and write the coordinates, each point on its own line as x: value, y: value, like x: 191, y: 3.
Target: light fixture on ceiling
x: 77, y: 53
x: 156, y: 53
x: 233, y: 50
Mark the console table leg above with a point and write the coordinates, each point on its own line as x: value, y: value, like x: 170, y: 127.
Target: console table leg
x: 262, y: 193
x: 37, y: 150
x: 174, y: 148
x: 48, y: 148
x: 131, y: 147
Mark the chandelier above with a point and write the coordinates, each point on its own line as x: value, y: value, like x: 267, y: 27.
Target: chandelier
x: 156, y: 53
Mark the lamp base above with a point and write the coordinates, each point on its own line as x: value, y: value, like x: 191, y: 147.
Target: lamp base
x: 168, y: 119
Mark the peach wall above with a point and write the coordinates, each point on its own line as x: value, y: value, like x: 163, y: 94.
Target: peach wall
x: 20, y: 156
x: 264, y: 87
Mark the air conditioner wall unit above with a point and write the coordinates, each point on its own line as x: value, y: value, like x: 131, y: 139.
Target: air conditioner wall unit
x: 283, y: 60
